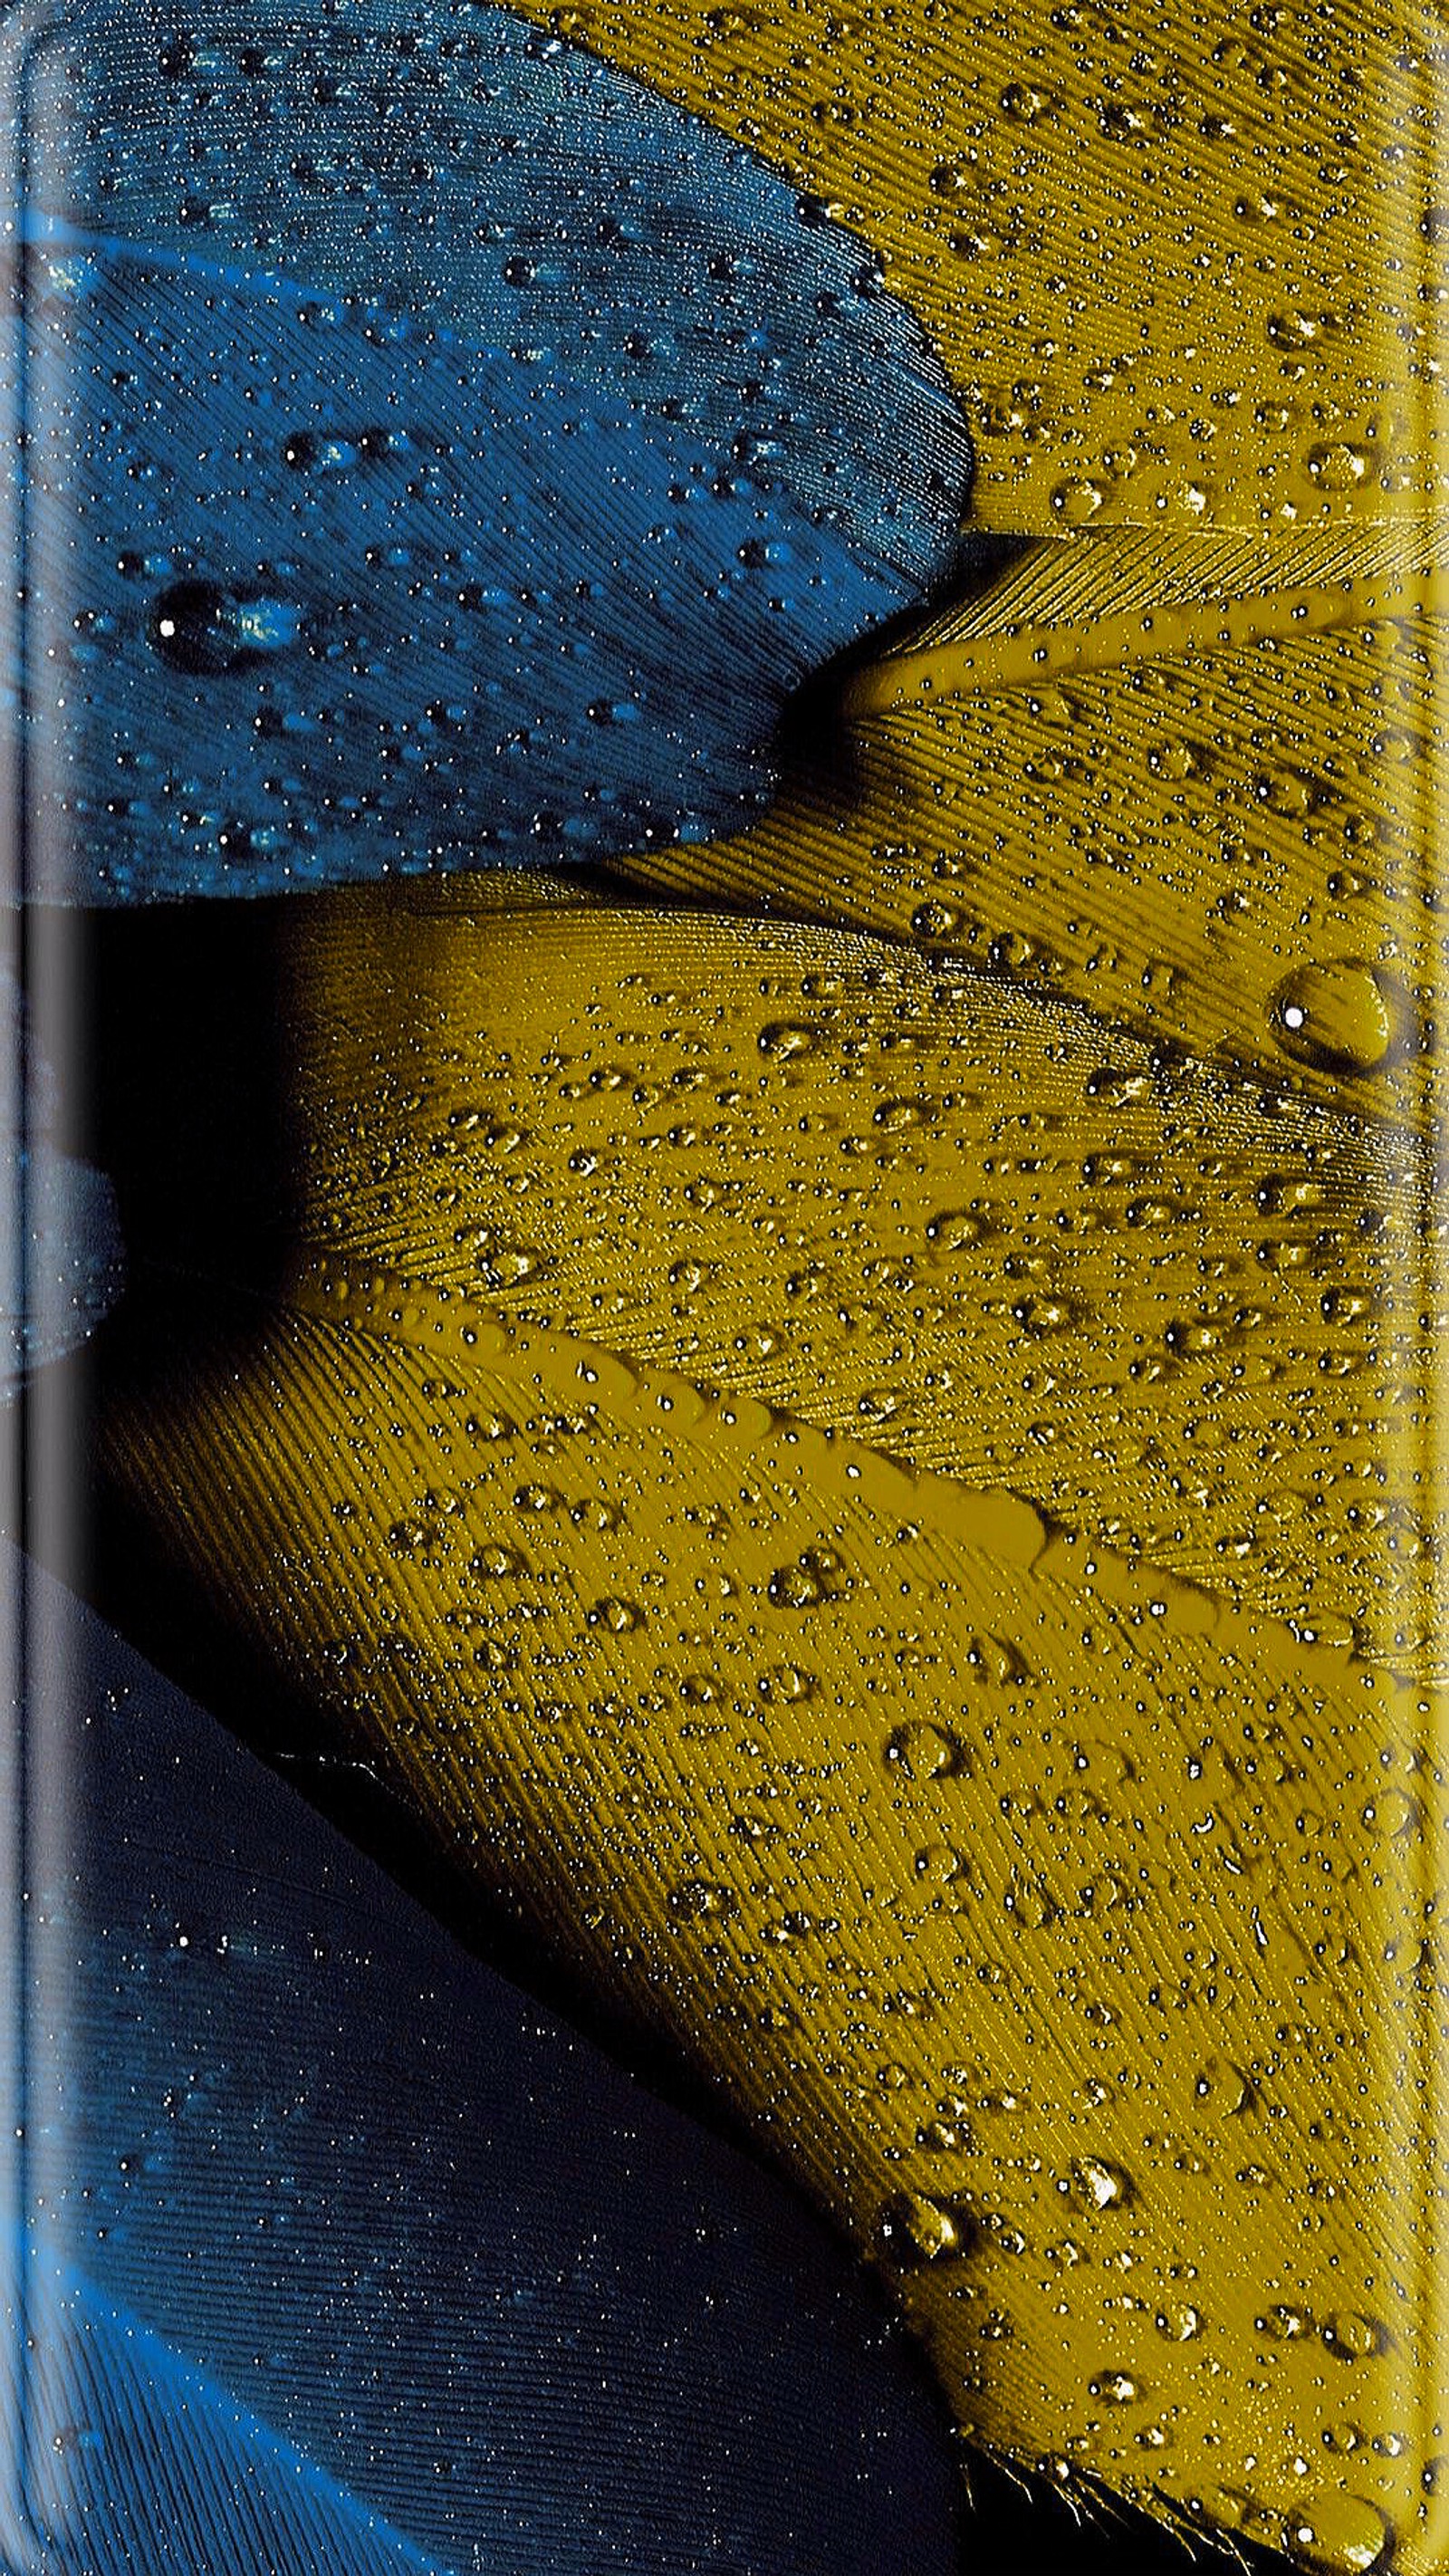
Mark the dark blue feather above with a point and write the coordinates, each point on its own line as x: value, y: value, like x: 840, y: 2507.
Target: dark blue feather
x: 440, y: 450
x: 325, y: 2252
x: 146, y: 2467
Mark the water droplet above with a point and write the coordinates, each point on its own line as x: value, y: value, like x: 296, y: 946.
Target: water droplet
x: 944, y: 2137
x: 1028, y: 1902
x: 1179, y: 2322
x: 1023, y: 105
x: 1114, y: 2388
x: 499, y: 1560
x: 935, y: 920
x: 1079, y: 500
x: 954, y: 1230
x: 495, y: 1655
x: 205, y: 631
x: 1338, y: 1017
x: 923, y: 1751
x: 1344, y: 2533
x: 1256, y: 206
x: 787, y: 1038
x: 1339, y: 466
x: 621, y: 1618
x: 1283, y: 2324
x: 1097, y: 2184
x: 1296, y: 330
x: 1352, y: 2336
x: 1224, y: 2086
x: 814, y: 1577
x: 701, y: 1900
x: 944, y: 1873
x: 915, y: 2229
x: 786, y: 1682
x: 78, y: 2437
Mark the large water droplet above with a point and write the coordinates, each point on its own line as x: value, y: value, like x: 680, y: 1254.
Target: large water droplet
x: 1343, y: 2532
x: 1223, y: 2086
x: 816, y: 1575
x: 206, y: 631
x: 787, y: 1038
x: 1078, y: 501
x: 1284, y: 2324
x: 1023, y: 105
x: 1338, y: 465
x: 1338, y: 1017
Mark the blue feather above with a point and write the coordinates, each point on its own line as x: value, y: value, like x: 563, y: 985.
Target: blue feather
x: 441, y: 450
x: 146, y: 2467
x: 324, y: 2251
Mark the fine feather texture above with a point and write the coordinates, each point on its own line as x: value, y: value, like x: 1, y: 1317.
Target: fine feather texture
x: 153, y: 2466
x: 925, y: 1206
x: 1187, y: 265
x: 1062, y: 1924
x: 346, y: 2257
x: 440, y: 451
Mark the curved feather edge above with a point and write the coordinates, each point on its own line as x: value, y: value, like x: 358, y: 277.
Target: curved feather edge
x: 150, y: 2465
x: 1103, y: 2038
x: 441, y: 451
x: 327, y: 2249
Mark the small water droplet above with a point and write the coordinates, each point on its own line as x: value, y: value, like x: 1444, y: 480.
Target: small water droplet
x: 915, y: 2229
x: 1114, y: 2388
x: 701, y: 1900
x: 923, y: 1751
x: 1098, y: 2184
x: 1078, y: 500
x: 1179, y: 2322
x: 620, y: 1617
x: 1352, y: 2336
